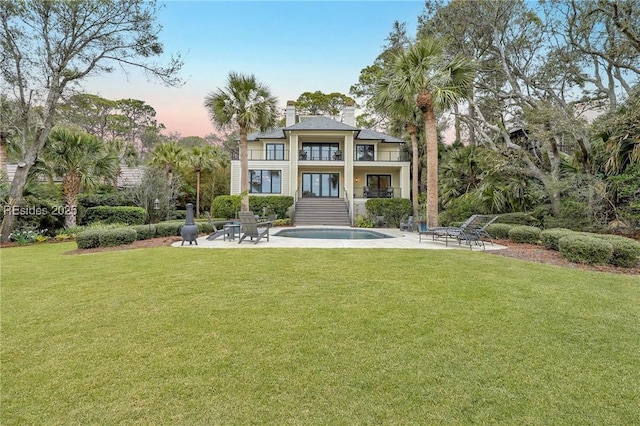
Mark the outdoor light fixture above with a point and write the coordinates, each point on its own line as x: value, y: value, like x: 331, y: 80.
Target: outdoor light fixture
x: 156, y: 204
x: 357, y: 180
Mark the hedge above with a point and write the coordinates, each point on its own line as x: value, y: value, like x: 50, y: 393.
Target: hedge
x: 626, y: 252
x: 226, y: 206
x: 518, y: 219
x: 393, y: 209
x: 582, y: 248
x: 144, y: 232
x: 117, y: 237
x: 499, y: 230
x: 550, y: 237
x: 524, y: 234
x: 88, y: 239
x: 169, y: 228
x: 117, y: 214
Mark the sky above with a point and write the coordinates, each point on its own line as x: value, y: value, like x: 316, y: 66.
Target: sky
x: 292, y: 46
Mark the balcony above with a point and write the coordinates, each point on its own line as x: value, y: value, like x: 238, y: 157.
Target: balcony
x: 381, y: 157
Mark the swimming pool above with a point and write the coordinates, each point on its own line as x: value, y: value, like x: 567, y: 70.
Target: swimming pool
x: 332, y: 234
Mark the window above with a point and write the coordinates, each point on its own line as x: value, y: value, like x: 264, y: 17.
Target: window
x: 264, y: 182
x: 365, y: 152
x: 275, y: 151
x: 379, y: 186
x: 320, y: 151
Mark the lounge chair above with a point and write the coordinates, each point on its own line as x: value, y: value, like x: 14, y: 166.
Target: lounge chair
x: 216, y: 232
x: 251, y: 228
x: 472, y: 231
x: 408, y: 225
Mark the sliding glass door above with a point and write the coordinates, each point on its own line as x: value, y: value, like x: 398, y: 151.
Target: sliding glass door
x: 320, y: 184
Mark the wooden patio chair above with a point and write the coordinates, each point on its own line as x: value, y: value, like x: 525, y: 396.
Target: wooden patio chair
x: 216, y: 232
x: 251, y: 228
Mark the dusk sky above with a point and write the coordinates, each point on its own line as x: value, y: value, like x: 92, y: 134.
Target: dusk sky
x: 292, y: 46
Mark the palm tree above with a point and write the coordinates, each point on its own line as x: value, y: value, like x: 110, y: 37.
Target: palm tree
x: 249, y: 104
x: 82, y: 160
x: 168, y: 156
x: 406, y: 115
x: 201, y: 159
x: 421, y: 75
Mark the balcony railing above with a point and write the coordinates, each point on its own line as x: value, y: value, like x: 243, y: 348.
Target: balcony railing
x: 261, y: 155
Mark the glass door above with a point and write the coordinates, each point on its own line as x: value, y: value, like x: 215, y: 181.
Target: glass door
x: 320, y: 184
x: 379, y: 186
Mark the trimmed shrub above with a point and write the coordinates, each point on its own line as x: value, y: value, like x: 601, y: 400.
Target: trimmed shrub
x: 144, y: 232
x: 179, y: 214
x: 518, y: 219
x: 204, y: 226
x: 225, y: 206
x: 168, y: 229
x: 550, y: 237
x: 272, y: 204
x: 499, y: 230
x: 392, y: 209
x: 582, y: 248
x: 524, y: 234
x: 117, y: 237
x: 626, y: 252
x: 89, y: 238
x: 117, y: 214
x: 282, y: 222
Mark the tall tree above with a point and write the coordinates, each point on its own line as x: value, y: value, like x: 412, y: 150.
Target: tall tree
x: 422, y: 76
x: 46, y: 45
x: 407, y: 115
x: 201, y: 159
x: 319, y: 103
x: 82, y: 160
x: 168, y: 156
x: 247, y: 103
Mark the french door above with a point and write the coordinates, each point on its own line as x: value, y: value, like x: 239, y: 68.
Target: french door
x: 320, y: 184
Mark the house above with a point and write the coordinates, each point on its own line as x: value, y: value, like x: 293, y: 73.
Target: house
x: 327, y: 161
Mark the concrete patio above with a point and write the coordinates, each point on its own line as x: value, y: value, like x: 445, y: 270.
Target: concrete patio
x: 401, y: 240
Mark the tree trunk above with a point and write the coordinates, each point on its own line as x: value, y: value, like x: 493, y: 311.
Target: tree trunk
x: 244, y: 169
x: 197, y: 193
x: 425, y: 103
x: 71, y: 189
x: 456, y: 123
x: 3, y: 156
x: 412, y: 130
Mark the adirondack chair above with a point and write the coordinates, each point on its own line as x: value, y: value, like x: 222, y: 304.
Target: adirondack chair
x: 408, y: 225
x: 251, y: 228
x: 216, y: 231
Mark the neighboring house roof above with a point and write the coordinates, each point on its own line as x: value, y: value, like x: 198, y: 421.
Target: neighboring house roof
x: 128, y: 177
x: 323, y: 124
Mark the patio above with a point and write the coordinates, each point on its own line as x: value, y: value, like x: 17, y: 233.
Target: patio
x: 401, y: 240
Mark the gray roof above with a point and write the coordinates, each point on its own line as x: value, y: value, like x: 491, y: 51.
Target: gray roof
x: 323, y: 123
x: 368, y: 134
x: 276, y: 133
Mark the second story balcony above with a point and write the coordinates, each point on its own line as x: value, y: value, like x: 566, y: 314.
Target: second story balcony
x: 335, y: 155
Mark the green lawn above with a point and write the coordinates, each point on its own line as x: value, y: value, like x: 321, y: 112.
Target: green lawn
x: 311, y: 336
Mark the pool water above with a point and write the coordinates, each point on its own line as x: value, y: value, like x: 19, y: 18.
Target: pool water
x: 332, y: 234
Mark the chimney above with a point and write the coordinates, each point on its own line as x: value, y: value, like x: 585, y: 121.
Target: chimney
x: 349, y: 114
x: 290, y: 114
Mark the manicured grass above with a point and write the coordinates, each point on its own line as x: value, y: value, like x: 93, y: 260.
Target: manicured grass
x: 293, y: 336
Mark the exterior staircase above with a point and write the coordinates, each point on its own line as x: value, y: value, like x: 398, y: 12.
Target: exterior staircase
x: 321, y: 211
